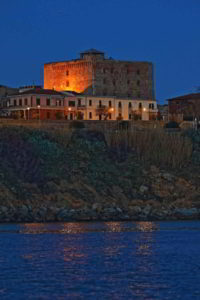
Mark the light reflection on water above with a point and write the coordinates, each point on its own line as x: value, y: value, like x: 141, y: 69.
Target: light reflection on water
x: 111, y: 260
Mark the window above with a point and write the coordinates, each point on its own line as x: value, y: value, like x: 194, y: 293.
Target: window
x: 111, y: 70
x: 110, y: 116
x: 100, y: 117
x: 104, y: 81
x: 67, y: 83
x: 130, y: 105
x: 130, y: 116
x: 48, y: 102
x: 104, y: 70
x: 114, y: 82
x: 38, y: 101
x: 105, y: 92
x: 48, y: 115
x: 90, y: 102
x: 138, y: 82
x: 67, y: 73
x: 72, y: 103
x: 79, y: 102
x: 128, y: 95
x: 90, y: 115
x: 20, y: 102
x: 119, y: 104
x: 25, y: 101
x: 15, y: 102
x: 138, y: 72
x: 151, y: 105
x: 140, y: 105
x: 128, y: 81
x: 110, y: 103
x: 127, y: 71
x: 100, y: 103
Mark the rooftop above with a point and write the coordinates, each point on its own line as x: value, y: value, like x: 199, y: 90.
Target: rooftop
x: 186, y: 97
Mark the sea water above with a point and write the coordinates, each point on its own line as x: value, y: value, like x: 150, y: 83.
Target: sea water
x: 111, y: 260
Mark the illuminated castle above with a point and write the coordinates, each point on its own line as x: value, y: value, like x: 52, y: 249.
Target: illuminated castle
x: 93, y: 74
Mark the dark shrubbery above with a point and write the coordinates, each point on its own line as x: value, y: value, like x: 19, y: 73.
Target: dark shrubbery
x: 76, y: 125
x: 123, y: 125
x: 172, y: 124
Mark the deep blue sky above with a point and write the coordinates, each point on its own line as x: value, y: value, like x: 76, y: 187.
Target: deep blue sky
x: 166, y: 32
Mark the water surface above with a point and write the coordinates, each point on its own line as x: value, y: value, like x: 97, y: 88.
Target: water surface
x: 112, y: 260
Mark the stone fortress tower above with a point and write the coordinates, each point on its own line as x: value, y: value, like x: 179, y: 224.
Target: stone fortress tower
x: 93, y: 74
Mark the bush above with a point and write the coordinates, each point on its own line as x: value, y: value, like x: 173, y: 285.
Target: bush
x: 123, y: 125
x: 172, y: 124
x: 76, y: 125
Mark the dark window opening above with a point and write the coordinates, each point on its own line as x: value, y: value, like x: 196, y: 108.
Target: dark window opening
x: 38, y: 101
x: 90, y: 102
x: 110, y: 103
x: 25, y: 102
x: 90, y: 115
x: 138, y: 82
x: 130, y: 105
x: 120, y: 105
x: 138, y: 72
x: 79, y: 102
x: 48, y: 115
x: 140, y: 105
x: 48, y: 102
x: 72, y: 103
x: 100, y: 103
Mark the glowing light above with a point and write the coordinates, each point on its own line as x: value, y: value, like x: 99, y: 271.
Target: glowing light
x: 144, y: 109
x: 69, y: 109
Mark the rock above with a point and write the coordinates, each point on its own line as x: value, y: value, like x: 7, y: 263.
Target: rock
x: 96, y: 206
x: 168, y: 177
x: 186, y: 212
x: 135, y: 210
x: 146, y: 210
x: 144, y: 189
x: 3, y: 209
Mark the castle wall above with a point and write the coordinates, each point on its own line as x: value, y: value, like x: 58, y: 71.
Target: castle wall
x: 94, y: 75
x: 69, y: 76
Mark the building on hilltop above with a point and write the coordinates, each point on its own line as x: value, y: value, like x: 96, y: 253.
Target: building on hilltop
x: 44, y: 104
x: 184, y: 108
x: 94, y: 74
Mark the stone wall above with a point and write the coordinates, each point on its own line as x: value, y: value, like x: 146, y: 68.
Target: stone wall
x: 102, y: 77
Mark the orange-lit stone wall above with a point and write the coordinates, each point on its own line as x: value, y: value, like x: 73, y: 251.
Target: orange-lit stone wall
x: 69, y: 76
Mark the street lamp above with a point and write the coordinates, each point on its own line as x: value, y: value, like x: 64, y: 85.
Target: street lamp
x: 28, y: 108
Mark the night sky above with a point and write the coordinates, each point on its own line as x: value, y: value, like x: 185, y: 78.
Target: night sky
x: 166, y: 32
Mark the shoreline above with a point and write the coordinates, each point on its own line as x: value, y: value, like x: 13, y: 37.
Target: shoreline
x: 24, y: 214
